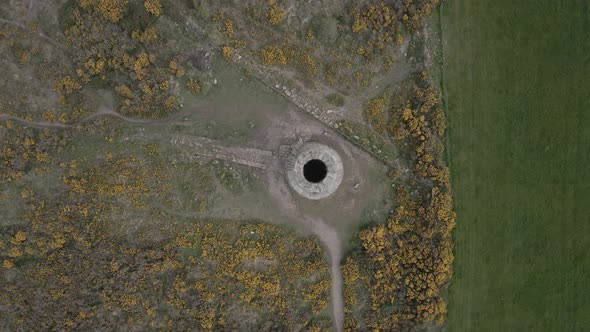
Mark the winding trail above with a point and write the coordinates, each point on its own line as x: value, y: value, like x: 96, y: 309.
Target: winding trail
x: 102, y: 111
x: 36, y: 33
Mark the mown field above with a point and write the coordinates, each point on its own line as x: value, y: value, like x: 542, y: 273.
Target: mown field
x: 517, y: 77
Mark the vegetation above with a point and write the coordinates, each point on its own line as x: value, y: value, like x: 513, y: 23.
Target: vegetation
x: 24, y: 149
x: 398, y: 279
x: 193, y: 85
x: 153, y: 7
x: 335, y: 99
x: 105, y: 50
x: 96, y: 234
x: 273, y: 55
x: 72, y: 268
x: 275, y: 13
x: 375, y: 114
x: 382, y: 22
x: 116, y: 237
x: 519, y: 127
x: 364, y: 34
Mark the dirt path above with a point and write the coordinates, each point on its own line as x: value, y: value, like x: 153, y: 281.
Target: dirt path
x: 100, y: 112
x: 327, y: 235
x: 37, y: 33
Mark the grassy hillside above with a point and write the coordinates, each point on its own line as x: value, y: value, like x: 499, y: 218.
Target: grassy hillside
x: 517, y: 83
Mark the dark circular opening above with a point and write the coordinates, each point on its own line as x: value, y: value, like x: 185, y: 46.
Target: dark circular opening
x: 315, y: 170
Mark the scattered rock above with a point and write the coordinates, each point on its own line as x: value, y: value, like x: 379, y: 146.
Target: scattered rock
x: 201, y: 60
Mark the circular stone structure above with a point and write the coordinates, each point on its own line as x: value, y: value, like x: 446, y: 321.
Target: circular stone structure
x: 315, y: 171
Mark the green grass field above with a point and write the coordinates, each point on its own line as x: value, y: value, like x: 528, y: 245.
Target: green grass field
x: 517, y: 86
